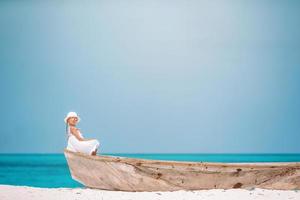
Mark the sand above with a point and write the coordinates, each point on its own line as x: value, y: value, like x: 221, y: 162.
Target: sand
x: 9, y: 192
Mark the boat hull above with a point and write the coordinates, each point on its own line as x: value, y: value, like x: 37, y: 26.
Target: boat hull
x: 128, y: 174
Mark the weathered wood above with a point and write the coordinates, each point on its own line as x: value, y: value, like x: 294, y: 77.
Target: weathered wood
x: 129, y: 174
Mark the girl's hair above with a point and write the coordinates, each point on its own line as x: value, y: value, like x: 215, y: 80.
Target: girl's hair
x: 67, y: 126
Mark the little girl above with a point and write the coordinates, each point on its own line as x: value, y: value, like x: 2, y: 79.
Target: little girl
x: 76, y: 142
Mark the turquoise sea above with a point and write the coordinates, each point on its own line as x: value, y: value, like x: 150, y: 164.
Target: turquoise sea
x: 51, y: 170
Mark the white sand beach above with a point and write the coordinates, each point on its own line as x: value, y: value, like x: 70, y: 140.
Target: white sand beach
x: 9, y: 192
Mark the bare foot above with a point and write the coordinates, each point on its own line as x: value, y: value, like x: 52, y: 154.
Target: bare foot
x: 94, y: 153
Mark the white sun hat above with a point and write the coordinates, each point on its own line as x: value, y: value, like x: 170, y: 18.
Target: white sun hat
x: 71, y: 114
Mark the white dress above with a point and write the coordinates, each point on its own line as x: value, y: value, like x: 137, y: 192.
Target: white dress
x: 76, y: 145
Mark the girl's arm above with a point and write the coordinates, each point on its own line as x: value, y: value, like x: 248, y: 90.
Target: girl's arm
x: 75, y: 132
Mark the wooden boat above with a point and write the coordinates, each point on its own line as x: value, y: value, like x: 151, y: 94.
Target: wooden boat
x: 128, y: 174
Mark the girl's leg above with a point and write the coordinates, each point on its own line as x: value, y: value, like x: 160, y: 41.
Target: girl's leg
x: 94, y: 152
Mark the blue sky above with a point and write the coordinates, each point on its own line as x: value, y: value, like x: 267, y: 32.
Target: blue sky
x: 151, y: 76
